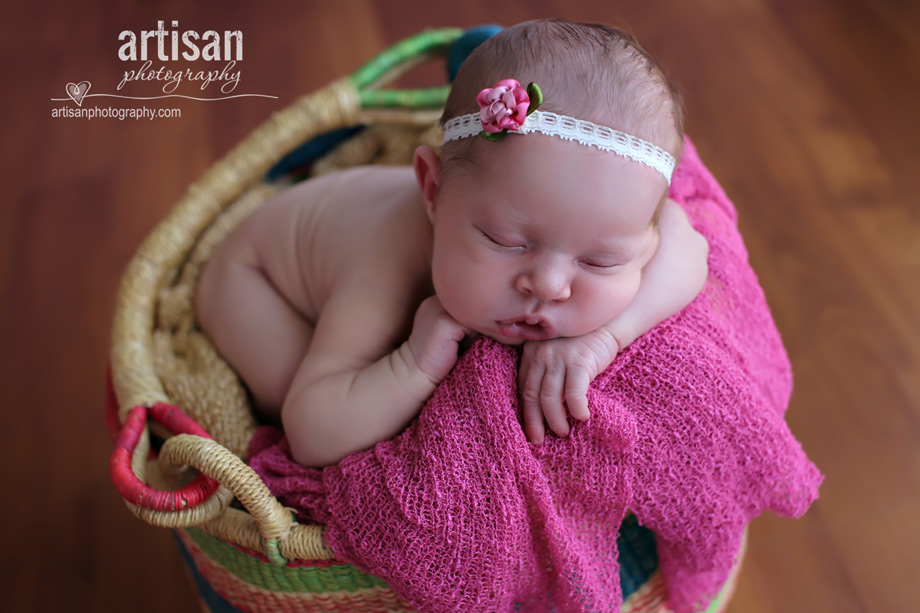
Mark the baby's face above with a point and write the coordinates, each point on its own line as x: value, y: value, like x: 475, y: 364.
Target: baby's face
x: 543, y: 238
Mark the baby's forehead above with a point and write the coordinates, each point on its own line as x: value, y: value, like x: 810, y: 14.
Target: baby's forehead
x: 547, y: 159
x: 537, y: 180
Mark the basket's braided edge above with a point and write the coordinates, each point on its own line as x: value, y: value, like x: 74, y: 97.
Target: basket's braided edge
x: 400, y: 117
x: 133, y: 376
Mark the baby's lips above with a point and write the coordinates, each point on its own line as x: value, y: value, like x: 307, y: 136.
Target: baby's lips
x: 520, y: 328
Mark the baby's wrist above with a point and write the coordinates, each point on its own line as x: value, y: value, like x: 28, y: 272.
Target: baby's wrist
x: 409, y: 374
x: 611, y: 342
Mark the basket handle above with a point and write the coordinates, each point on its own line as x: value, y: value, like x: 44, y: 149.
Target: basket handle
x: 217, y: 462
x: 217, y: 465
x: 395, y: 61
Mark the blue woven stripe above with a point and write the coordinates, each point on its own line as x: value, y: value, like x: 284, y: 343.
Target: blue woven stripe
x: 214, y: 601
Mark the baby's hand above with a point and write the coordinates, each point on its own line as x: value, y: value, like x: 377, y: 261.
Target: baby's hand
x: 559, y: 371
x: 435, y: 339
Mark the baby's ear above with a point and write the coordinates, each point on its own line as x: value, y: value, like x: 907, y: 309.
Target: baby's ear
x: 427, y: 165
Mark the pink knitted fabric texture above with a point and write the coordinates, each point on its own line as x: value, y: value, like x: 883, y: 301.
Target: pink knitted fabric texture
x: 461, y: 513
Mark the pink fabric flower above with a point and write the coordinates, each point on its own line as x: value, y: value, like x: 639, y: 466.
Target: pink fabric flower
x: 503, y: 107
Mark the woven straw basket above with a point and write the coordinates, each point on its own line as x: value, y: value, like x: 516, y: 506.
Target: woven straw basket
x: 245, y: 551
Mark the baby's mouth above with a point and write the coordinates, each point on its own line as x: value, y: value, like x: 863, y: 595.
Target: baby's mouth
x: 527, y: 328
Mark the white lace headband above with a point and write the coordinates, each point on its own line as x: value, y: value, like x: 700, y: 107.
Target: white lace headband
x: 509, y: 109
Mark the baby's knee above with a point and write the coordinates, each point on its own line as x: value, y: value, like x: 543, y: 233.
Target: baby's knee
x: 217, y: 282
x: 209, y: 295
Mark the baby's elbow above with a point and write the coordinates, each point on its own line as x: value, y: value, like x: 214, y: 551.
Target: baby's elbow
x: 310, y: 445
x: 699, y: 248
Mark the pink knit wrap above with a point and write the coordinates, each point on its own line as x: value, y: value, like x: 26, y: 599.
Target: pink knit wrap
x: 461, y: 513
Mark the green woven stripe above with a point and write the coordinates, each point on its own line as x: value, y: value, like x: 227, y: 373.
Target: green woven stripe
x: 316, y: 580
x: 720, y: 601
x: 717, y: 602
x: 310, y: 579
x: 428, y: 98
x: 402, y: 51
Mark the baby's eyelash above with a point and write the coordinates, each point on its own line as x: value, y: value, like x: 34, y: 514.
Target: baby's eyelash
x: 497, y: 242
x: 595, y: 265
x: 599, y: 265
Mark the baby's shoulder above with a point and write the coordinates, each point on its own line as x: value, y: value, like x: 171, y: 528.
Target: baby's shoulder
x: 333, y: 195
x: 364, y: 178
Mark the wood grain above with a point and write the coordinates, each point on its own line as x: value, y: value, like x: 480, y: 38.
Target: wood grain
x: 804, y: 109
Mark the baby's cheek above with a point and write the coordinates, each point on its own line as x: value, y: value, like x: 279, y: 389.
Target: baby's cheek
x: 456, y: 296
x: 631, y: 287
x: 620, y: 292
x: 651, y: 248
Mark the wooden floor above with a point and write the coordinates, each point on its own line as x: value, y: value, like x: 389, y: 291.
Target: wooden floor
x: 806, y: 111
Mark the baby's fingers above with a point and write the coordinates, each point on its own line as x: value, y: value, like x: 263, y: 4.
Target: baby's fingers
x: 576, y: 394
x: 551, y: 402
x: 530, y: 382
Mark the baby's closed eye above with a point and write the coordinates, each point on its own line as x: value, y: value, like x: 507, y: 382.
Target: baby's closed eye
x: 602, y: 263
x: 598, y: 263
x: 502, y: 241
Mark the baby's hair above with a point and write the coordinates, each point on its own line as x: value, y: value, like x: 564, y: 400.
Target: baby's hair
x: 589, y: 71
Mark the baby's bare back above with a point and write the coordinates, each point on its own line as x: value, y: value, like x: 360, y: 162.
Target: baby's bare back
x: 363, y: 222
x: 357, y: 238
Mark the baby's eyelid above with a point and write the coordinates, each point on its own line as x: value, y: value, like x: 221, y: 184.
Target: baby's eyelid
x: 496, y: 241
x: 595, y: 264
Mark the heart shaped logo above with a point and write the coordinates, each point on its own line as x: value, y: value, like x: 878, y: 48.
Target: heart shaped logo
x: 77, y: 91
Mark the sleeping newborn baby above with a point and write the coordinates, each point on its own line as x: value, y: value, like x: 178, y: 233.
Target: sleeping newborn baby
x: 544, y: 222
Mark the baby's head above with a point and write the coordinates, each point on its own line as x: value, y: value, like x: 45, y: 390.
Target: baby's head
x: 536, y: 236
x: 592, y: 72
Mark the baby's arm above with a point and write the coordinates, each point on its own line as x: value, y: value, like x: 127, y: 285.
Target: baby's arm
x: 345, y: 397
x: 560, y: 370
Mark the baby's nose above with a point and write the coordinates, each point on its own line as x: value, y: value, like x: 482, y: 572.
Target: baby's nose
x: 547, y: 281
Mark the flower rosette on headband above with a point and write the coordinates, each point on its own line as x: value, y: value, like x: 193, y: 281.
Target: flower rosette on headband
x: 505, y: 106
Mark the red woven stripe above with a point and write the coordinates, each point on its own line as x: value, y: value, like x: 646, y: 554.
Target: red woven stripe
x: 176, y: 421
x: 291, y: 563
x: 126, y: 482
x: 649, y: 598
